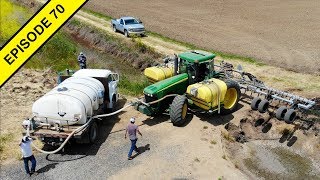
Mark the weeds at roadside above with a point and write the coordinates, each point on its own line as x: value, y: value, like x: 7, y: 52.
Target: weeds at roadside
x: 4, y: 141
x: 213, y: 142
x: 97, y: 14
x: 132, y: 87
x: 205, y: 127
x: 227, y: 136
x: 236, y: 166
x: 224, y: 157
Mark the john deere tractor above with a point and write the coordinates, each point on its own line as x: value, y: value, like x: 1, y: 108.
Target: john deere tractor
x: 189, y: 80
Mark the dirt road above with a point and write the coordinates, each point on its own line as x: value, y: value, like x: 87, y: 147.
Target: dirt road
x: 282, y: 33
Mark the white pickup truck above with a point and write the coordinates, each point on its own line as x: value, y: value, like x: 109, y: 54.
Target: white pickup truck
x: 128, y: 26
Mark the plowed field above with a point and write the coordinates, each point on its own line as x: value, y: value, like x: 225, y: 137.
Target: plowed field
x: 282, y: 33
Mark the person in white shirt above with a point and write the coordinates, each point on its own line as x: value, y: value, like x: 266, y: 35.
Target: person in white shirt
x: 26, y: 150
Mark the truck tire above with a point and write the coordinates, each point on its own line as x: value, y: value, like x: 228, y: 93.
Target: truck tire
x: 290, y: 116
x: 178, y: 110
x: 93, y: 132
x: 114, y: 28
x: 263, y: 106
x: 231, y: 98
x: 255, y: 103
x: 126, y: 34
x: 281, y: 112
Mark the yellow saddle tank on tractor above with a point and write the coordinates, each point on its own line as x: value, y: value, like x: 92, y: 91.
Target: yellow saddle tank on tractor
x: 158, y: 73
x: 207, y: 94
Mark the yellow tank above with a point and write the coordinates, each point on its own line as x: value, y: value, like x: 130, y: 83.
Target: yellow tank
x: 155, y: 74
x: 206, y: 94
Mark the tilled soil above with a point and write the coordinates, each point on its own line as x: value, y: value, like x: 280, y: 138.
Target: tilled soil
x: 271, y: 149
x: 283, y: 33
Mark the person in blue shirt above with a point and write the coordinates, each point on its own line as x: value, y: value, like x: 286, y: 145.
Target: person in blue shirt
x: 132, y: 131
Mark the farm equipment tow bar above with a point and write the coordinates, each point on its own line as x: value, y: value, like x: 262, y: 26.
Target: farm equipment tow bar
x: 91, y: 118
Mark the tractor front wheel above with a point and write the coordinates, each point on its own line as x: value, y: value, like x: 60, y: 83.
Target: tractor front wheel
x: 178, y: 110
x: 231, y: 98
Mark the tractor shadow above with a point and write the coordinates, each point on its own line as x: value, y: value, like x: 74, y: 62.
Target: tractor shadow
x: 74, y: 151
x: 152, y: 121
x: 217, y: 119
x: 164, y: 117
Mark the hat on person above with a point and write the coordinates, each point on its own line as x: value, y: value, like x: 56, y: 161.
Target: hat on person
x: 132, y: 119
x: 26, y: 122
x: 25, y: 138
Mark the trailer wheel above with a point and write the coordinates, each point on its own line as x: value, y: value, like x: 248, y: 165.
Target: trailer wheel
x: 231, y: 98
x: 255, y: 103
x: 126, y: 34
x: 93, y: 132
x: 178, y: 110
x: 114, y: 28
x: 290, y: 116
x: 281, y: 112
x: 263, y: 106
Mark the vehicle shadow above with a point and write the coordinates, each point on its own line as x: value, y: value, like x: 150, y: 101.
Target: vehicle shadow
x: 217, y: 119
x: 151, y: 121
x: 289, y: 136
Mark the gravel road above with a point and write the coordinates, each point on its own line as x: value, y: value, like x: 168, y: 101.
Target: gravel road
x: 168, y: 152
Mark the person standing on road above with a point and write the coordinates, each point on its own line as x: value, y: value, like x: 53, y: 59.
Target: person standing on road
x: 132, y: 131
x: 82, y: 59
x: 26, y: 150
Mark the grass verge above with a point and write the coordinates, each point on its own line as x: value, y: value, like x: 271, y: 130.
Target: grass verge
x: 58, y: 53
x: 97, y: 14
x: 133, y: 87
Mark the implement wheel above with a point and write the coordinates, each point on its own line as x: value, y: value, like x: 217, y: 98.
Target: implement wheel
x: 231, y: 98
x: 178, y: 110
x: 281, y: 112
x: 263, y: 106
x: 255, y: 103
x: 290, y: 116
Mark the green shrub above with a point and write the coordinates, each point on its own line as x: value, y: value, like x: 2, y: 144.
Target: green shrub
x: 131, y: 86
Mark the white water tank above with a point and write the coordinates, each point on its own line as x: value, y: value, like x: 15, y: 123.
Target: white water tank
x: 71, y: 102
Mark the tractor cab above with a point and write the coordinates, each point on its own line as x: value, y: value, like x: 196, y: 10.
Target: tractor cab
x: 197, y: 64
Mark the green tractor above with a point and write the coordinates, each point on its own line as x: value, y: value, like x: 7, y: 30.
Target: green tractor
x: 189, y: 80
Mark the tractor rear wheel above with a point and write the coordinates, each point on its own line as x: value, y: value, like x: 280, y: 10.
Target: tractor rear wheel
x: 231, y: 98
x: 178, y: 110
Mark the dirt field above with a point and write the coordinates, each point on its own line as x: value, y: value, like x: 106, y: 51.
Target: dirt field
x: 278, y: 32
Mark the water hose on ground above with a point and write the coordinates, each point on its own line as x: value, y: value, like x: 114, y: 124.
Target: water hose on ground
x: 75, y: 131
x: 64, y: 142
x: 85, y: 125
